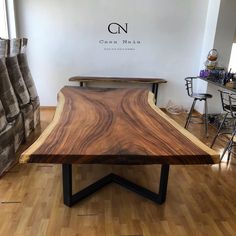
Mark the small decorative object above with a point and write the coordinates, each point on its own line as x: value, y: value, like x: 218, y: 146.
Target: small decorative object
x: 201, y: 73
x: 212, y: 57
x: 204, y: 73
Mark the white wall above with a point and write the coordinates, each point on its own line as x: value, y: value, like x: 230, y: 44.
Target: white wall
x: 224, y: 37
x: 63, y: 41
x: 232, y: 63
x: 219, y: 33
x: 208, y: 44
x: 225, y: 31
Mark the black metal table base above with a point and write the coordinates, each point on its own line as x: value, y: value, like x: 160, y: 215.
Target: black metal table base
x: 155, y: 91
x: 71, y: 199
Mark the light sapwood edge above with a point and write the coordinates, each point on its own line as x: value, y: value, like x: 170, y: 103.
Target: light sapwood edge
x: 25, y: 156
x: 214, y: 155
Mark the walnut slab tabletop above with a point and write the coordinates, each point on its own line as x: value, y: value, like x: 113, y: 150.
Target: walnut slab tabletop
x: 132, y: 80
x: 114, y: 126
x: 149, y: 80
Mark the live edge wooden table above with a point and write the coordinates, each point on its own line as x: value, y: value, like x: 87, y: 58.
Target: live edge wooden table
x: 154, y: 81
x: 91, y: 127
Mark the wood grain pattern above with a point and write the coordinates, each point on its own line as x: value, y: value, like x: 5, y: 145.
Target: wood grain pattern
x: 200, y: 202
x: 115, y: 126
x: 117, y: 79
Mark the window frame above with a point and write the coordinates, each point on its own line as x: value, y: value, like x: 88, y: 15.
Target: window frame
x: 3, y: 11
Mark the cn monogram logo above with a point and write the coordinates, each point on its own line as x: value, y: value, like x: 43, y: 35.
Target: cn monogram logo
x: 115, y: 28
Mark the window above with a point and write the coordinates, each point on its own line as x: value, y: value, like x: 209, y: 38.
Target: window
x: 232, y: 63
x: 3, y: 20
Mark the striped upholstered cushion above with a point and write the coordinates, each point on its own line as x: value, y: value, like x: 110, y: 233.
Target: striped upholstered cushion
x: 7, y: 150
x: 7, y: 95
x: 14, y: 47
x: 17, y: 81
x: 3, y: 48
x: 23, y: 63
x: 28, y: 114
x: 3, y: 120
x: 19, y: 131
x: 36, y: 116
x: 23, y: 46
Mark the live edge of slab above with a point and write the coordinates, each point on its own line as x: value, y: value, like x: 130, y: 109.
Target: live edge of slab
x: 91, y: 127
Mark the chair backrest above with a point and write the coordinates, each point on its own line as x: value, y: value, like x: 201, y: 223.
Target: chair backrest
x: 224, y: 96
x: 189, y: 85
x: 232, y: 104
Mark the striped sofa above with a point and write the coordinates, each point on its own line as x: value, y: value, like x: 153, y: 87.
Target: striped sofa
x: 19, y: 101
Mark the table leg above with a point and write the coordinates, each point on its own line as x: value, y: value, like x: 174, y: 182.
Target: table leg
x: 153, y: 87
x: 71, y: 199
x: 155, y: 91
x: 67, y: 184
x: 163, y: 182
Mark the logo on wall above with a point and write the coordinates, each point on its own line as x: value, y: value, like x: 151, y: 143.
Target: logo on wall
x: 115, y: 28
x: 118, y: 44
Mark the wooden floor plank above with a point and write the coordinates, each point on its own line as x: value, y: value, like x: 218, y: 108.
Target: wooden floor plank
x: 200, y: 200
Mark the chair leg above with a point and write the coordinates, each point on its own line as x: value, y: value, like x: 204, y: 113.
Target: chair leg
x: 225, y: 150
x: 234, y: 124
x: 219, y: 129
x: 206, y: 118
x: 229, y: 153
x: 190, y: 114
x: 228, y: 145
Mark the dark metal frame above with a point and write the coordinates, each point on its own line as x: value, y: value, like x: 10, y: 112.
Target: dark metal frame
x: 226, y: 107
x: 189, y: 88
x: 231, y: 143
x: 155, y: 91
x: 71, y: 199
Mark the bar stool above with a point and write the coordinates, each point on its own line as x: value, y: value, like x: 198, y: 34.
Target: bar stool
x: 196, y: 97
x: 226, y: 107
x: 231, y: 143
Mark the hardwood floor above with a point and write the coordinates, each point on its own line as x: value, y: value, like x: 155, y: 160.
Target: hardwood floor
x: 201, y: 200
